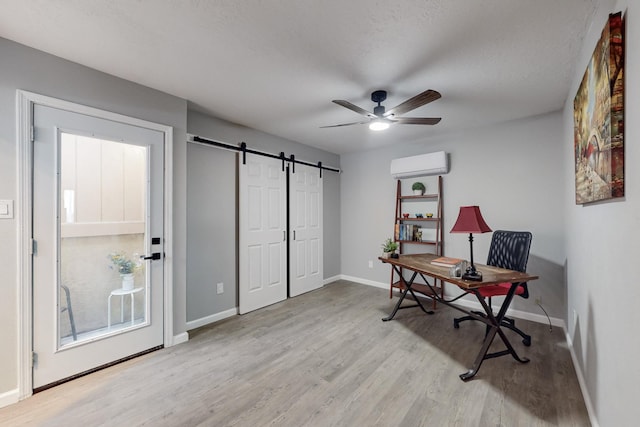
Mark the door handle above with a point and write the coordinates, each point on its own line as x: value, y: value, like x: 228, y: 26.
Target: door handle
x: 153, y: 256
x: 294, y: 234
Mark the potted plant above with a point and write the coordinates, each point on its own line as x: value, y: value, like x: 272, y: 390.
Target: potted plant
x: 126, y: 267
x: 389, y: 248
x: 418, y: 188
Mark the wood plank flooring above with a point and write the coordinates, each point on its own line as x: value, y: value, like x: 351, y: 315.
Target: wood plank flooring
x: 324, y: 359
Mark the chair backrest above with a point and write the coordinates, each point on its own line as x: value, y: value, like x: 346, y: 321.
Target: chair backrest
x: 510, y: 249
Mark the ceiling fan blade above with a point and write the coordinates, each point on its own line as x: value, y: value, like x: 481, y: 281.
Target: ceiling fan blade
x: 419, y: 100
x: 352, y: 107
x: 417, y: 120
x: 345, y: 124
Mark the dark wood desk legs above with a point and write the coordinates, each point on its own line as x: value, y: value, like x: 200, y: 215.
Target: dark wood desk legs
x: 407, y: 286
x: 494, y: 323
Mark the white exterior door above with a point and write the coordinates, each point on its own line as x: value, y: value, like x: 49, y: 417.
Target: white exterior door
x: 305, y: 219
x: 97, y: 208
x: 262, y: 233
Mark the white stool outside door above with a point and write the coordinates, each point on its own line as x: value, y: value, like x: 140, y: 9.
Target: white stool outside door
x: 122, y: 292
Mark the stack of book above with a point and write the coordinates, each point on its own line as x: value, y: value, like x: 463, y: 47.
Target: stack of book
x: 407, y: 232
x: 445, y: 261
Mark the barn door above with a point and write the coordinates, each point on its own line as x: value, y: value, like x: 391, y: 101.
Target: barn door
x: 305, y: 220
x: 262, y: 233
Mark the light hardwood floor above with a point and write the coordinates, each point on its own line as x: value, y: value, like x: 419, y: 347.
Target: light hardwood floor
x: 324, y: 359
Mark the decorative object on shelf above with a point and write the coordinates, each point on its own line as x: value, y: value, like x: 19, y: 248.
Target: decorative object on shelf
x: 419, y: 215
x: 429, y: 215
x: 470, y: 221
x: 418, y: 188
x: 428, y: 234
x: 405, y: 215
x: 598, y: 111
x: 389, y: 248
x: 126, y: 267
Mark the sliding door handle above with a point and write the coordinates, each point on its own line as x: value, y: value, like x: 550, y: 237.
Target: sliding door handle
x: 153, y: 256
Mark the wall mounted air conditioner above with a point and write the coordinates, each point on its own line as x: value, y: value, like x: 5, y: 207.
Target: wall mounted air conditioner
x: 422, y: 165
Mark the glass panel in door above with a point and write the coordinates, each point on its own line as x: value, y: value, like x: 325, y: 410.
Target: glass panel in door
x: 103, y: 194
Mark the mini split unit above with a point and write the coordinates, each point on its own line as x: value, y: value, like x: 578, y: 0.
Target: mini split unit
x: 422, y: 165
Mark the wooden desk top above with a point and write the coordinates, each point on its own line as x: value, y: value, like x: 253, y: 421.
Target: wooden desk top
x: 490, y: 275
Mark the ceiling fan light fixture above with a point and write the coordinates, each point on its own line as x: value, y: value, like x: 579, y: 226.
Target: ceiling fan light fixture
x: 381, y: 119
x: 378, y: 125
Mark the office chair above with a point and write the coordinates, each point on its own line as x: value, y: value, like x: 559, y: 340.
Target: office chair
x: 69, y: 311
x: 509, y: 249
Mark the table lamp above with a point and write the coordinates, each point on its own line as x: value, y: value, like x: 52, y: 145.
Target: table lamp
x: 470, y: 221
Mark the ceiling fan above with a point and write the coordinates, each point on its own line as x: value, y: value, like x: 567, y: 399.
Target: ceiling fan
x: 381, y: 119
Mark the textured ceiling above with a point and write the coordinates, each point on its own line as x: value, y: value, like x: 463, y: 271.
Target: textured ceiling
x: 276, y: 65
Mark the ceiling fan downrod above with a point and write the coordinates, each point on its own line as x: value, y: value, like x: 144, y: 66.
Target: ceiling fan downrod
x: 379, y: 96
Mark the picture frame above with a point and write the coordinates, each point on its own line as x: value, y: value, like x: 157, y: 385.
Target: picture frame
x: 598, y: 111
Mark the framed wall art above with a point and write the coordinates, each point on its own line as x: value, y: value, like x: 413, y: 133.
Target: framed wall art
x: 598, y: 112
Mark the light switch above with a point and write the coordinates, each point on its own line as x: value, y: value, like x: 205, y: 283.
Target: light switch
x: 6, y: 209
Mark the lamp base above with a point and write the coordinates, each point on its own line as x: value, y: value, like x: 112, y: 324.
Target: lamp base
x: 472, y: 274
x: 476, y: 277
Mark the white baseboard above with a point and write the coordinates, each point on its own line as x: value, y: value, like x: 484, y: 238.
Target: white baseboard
x: 211, y: 319
x: 518, y: 314
x: 581, y: 381
x: 365, y: 281
x: 330, y: 280
x: 9, y: 398
x: 180, y: 338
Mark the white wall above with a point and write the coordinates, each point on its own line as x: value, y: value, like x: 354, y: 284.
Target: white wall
x: 602, y: 249
x: 512, y: 171
x: 31, y: 70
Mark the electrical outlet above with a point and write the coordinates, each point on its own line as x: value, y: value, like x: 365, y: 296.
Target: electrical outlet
x: 539, y: 300
x: 220, y: 288
x: 370, y: 264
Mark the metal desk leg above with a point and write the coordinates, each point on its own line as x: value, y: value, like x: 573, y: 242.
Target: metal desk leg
x: 407, y: 286
x: 494, y: 328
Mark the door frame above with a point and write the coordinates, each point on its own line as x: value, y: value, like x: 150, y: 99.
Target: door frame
x: 24, y: 134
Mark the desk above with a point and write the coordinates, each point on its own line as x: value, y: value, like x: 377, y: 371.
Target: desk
x: 122, y: 292
x: 420, y: 265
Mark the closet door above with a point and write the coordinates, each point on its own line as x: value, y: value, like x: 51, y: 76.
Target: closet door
x: 305, y: 217
x: 262, y: 233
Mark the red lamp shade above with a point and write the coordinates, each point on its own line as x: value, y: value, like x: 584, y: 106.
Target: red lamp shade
x: 470, y: 221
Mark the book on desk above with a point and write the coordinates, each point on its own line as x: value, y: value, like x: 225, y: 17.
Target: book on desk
x: 445, y: 261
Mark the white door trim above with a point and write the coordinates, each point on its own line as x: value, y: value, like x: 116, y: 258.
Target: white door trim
x: 24, y: 120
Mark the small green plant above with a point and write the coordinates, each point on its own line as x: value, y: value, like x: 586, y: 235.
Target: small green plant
x: 389, y: 246
x: 123, y: 264
x: 418, y: 186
